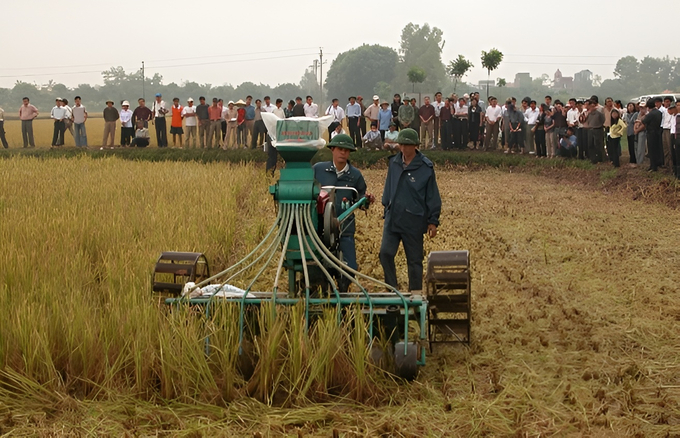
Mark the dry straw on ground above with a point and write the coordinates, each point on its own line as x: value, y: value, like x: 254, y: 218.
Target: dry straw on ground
x: 574, y: 306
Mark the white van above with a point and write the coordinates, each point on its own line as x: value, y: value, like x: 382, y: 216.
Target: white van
x: 643, y: 99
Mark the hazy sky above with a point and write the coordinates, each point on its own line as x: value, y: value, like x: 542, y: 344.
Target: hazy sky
x: 273, y: 42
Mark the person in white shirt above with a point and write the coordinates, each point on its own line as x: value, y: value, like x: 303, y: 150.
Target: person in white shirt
x: 190, y: 123
x: 336, y: 131
x: 531, y: 115
x: 2, y: 129
x: 159, y: 110
x: 492, y: 118
x: 460, y: 124
x: 127, y: 131
x: 272, y: 153
x: 311, y: 109
x: 338, y: 115
x: 79, y: 115
x: 278, y: 110
x: 68, y: 121
x: 666, y: 133
x: 58, y: 114
x: 268, y: 107
x: 353, y: 114
x: 438, y: 104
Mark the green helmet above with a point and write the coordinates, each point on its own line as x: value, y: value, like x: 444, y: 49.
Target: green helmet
x: 408, y: 136
x: 342, y: 141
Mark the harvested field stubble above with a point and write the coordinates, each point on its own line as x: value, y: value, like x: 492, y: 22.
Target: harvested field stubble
x: 575, y: 305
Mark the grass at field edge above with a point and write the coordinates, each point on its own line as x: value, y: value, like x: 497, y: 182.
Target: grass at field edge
x: 361, y: 158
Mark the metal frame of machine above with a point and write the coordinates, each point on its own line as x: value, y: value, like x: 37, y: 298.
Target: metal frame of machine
x: 296, y: 241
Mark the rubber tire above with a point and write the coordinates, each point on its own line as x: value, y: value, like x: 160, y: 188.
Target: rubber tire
x: 406, y: 366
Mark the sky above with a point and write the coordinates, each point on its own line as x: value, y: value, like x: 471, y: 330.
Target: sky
x: 272, y: 42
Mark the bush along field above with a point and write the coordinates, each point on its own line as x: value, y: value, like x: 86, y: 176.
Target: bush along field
x: 574, y: 322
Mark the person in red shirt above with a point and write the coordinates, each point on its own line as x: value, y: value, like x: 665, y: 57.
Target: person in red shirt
x: 176, y: 123
x: 240, y: 121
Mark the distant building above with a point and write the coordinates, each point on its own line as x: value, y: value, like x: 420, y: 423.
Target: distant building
x: 484, y: 83
x: 522, y: 80
x: 562, y: 82
x: 584, y: 77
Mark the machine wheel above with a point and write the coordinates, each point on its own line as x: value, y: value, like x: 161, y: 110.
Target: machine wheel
x: 331, y: 227
x: 405, y: 365
x: 247, y: 360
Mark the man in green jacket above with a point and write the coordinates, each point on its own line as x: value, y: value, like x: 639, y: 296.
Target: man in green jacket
x: 412, y: 207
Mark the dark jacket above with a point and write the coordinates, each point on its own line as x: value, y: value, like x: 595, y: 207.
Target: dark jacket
x: 298, y: 110
x: 411, y: 196
x: 326, y: 175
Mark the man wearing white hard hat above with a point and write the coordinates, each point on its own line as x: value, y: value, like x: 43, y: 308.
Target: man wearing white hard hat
x: 127, y: 131
x: 190, y: 123
x: 373, y: 111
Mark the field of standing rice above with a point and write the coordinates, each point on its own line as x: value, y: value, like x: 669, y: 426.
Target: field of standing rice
x: 575, y: 310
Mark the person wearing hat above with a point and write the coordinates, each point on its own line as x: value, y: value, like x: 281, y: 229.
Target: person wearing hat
x: 159, y: 111
x: 340, y: 173
x: 391, y: 138
x: 176, y: 122
x: 111, y: 115
x: 59, y: 115
x: 373, y: 111
x: 384, y: 118
x: 241, y: 132
x: 190, y: 122
x: 126, y: 129
x: 412, y: 207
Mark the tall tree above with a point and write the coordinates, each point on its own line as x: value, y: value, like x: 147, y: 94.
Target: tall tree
x: 459, y: 68
x: 421, y: 46
x: 416, y: 75
x: 490, y: 61
x: 358, y: 71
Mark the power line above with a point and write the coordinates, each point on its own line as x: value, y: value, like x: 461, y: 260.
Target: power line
x: 567, y: 56
x: 231, y: 61
x: 235, y: 54
x: 554, y: 63
x: 161, y: 67
x: 155, y: 60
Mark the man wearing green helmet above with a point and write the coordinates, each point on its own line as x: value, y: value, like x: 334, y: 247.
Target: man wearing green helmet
x: 340, y: 173
x: 412, y: 207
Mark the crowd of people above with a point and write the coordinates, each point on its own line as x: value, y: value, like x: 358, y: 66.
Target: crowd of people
x: 579, y: 128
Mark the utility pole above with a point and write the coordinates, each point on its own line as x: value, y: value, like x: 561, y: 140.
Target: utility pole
x: 143, y: 79
x: 321, y: 74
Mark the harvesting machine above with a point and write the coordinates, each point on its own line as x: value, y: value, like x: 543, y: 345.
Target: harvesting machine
x: 303, y: 242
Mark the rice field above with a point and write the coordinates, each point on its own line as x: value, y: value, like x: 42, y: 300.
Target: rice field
x: 575, y: 311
